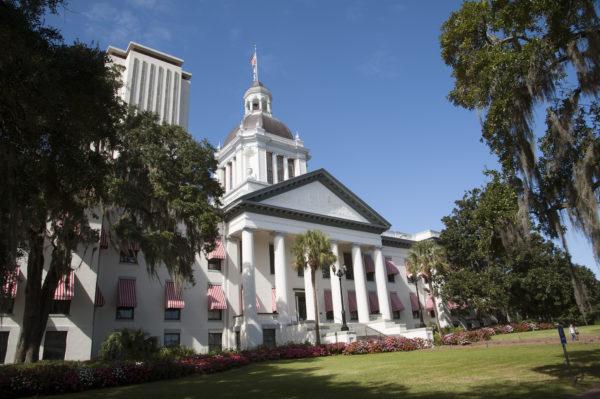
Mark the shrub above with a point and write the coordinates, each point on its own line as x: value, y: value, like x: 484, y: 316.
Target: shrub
x: 128, y: 345
x: 177, y: 351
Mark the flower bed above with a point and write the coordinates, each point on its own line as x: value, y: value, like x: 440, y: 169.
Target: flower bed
x: 49, y: 379
x: 485, y: 333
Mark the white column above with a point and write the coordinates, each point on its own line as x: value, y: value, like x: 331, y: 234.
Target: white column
x: 286, y: 175
x: 275, y: 171
x: 381, y: 281
x: 281, y: 287
x: 308, y: 293
x: 335, y: 286
x: 360, y: 284
x: 251, y: 330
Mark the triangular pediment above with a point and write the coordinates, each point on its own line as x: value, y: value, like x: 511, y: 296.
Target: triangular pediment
x: 315, y: 196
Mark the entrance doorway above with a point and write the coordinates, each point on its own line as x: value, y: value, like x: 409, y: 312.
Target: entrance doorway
x: 300, y: 305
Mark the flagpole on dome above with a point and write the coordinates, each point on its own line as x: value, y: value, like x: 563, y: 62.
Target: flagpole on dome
x: 254, y: 63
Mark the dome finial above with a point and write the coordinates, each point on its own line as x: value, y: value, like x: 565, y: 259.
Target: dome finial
x: 297, y: 135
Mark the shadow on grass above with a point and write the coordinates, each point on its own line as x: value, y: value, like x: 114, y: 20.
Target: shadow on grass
x: 585, y: 365
x: 271, y: 380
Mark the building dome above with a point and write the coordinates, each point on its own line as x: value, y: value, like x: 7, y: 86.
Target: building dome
x: 270, y: 124
x: 257, y: 114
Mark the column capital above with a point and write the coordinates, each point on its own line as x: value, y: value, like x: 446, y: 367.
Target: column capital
x: 356, y: 245
x: 276, y: 233
x: 249, y: 229
x: 378, y: 247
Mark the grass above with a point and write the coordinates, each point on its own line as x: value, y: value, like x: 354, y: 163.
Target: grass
x: 583, y: 330
x: 491, y: 373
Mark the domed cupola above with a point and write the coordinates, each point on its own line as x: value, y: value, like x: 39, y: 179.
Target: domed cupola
x: 260, y: 150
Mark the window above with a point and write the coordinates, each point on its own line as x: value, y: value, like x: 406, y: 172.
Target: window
x: 6, y: 304
x: 215, y: 314
x: 349, y: 267
x: 301, y: 273
x: 238, y: 341
x: 415, y: 314
x: 128, y: 256
x: 354, y: 315
x: 391, y: 278
x: 224, y: 179
x: 54, y: 345
x: 230, y: 167
x: 269, y: 336
x: 396, y: 314
x: 3, y: 345
x: 240, y: 255
x: 270, y: 167
x: 124, y: 313
x: 271, y: 258
x: 329, y: 315
x: 279, y: 168
x: 60, y: 307
x: 215, y: 342
x: 214, y: 264
x: 172, y: 314
x: 171, y: 339
x: 371, y: 276
x: 326, y: 272
x: 431, y: 313
x: 291, y: 171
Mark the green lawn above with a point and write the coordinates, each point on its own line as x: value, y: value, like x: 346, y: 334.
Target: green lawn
x: 595, y: 329
x: 491, y: 373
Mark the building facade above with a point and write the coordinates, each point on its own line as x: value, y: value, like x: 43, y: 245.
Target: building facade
x: 246, y: 293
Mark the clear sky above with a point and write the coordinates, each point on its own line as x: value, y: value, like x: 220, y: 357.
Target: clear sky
x: 362, y: 82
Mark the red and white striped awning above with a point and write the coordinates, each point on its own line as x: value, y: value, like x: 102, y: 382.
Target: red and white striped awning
x: 133, y: 246
x: 414, y: 302
x: 328, y: 300
x: 216, y: 297
x: 99, y: 298
x: 396, y: 302
x: 429, y: 303
x: 218, y: 252
x: 352, y: 301
x: 369, y: 265
x: 452, y: 305
x: 126, y: 294
x: 173, y: 297
x: 274, y: 299
x: 391, y: 267
x: 10, y: 286
x: 103, y: 239
x: 65, y: 288
x: 373, y: 301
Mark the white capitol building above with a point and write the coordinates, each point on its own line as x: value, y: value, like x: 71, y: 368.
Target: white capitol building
x: 246, y: 292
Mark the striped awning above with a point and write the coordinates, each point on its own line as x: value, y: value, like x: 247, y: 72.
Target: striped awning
x: 452, y: 305
x: 65, y: 288
x: 352, y: 301
x: 274, y: 299
x: 126, y: 294
x: 328, y: 300
x: 391, y: 267
x: 103, y: 239
x: 414, y: 302
x: 173, y: 297
x: 133, y: 246
x: 396, y: 302
x: 373, y: 301
x: 369, y: 265
x: 216, y: 297
x: 429, y: 303
x: 99, y: 298
x: 218, y: 252
x: 10, y: 286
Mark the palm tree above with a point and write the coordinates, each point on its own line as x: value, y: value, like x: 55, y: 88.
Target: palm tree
x: 313, y: 249
x: 428, y: 258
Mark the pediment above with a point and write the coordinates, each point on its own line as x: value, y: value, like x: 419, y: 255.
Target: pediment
x: 315, y: 198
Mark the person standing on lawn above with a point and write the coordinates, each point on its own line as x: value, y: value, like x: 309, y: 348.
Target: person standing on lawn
x: 573, y: 332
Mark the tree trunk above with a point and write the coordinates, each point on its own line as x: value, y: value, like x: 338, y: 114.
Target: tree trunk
x: 314, y: 287
x: 435, y: 309
x: 38, y: 300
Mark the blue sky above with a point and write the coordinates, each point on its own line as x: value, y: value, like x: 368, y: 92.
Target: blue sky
x: 362, y: 82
